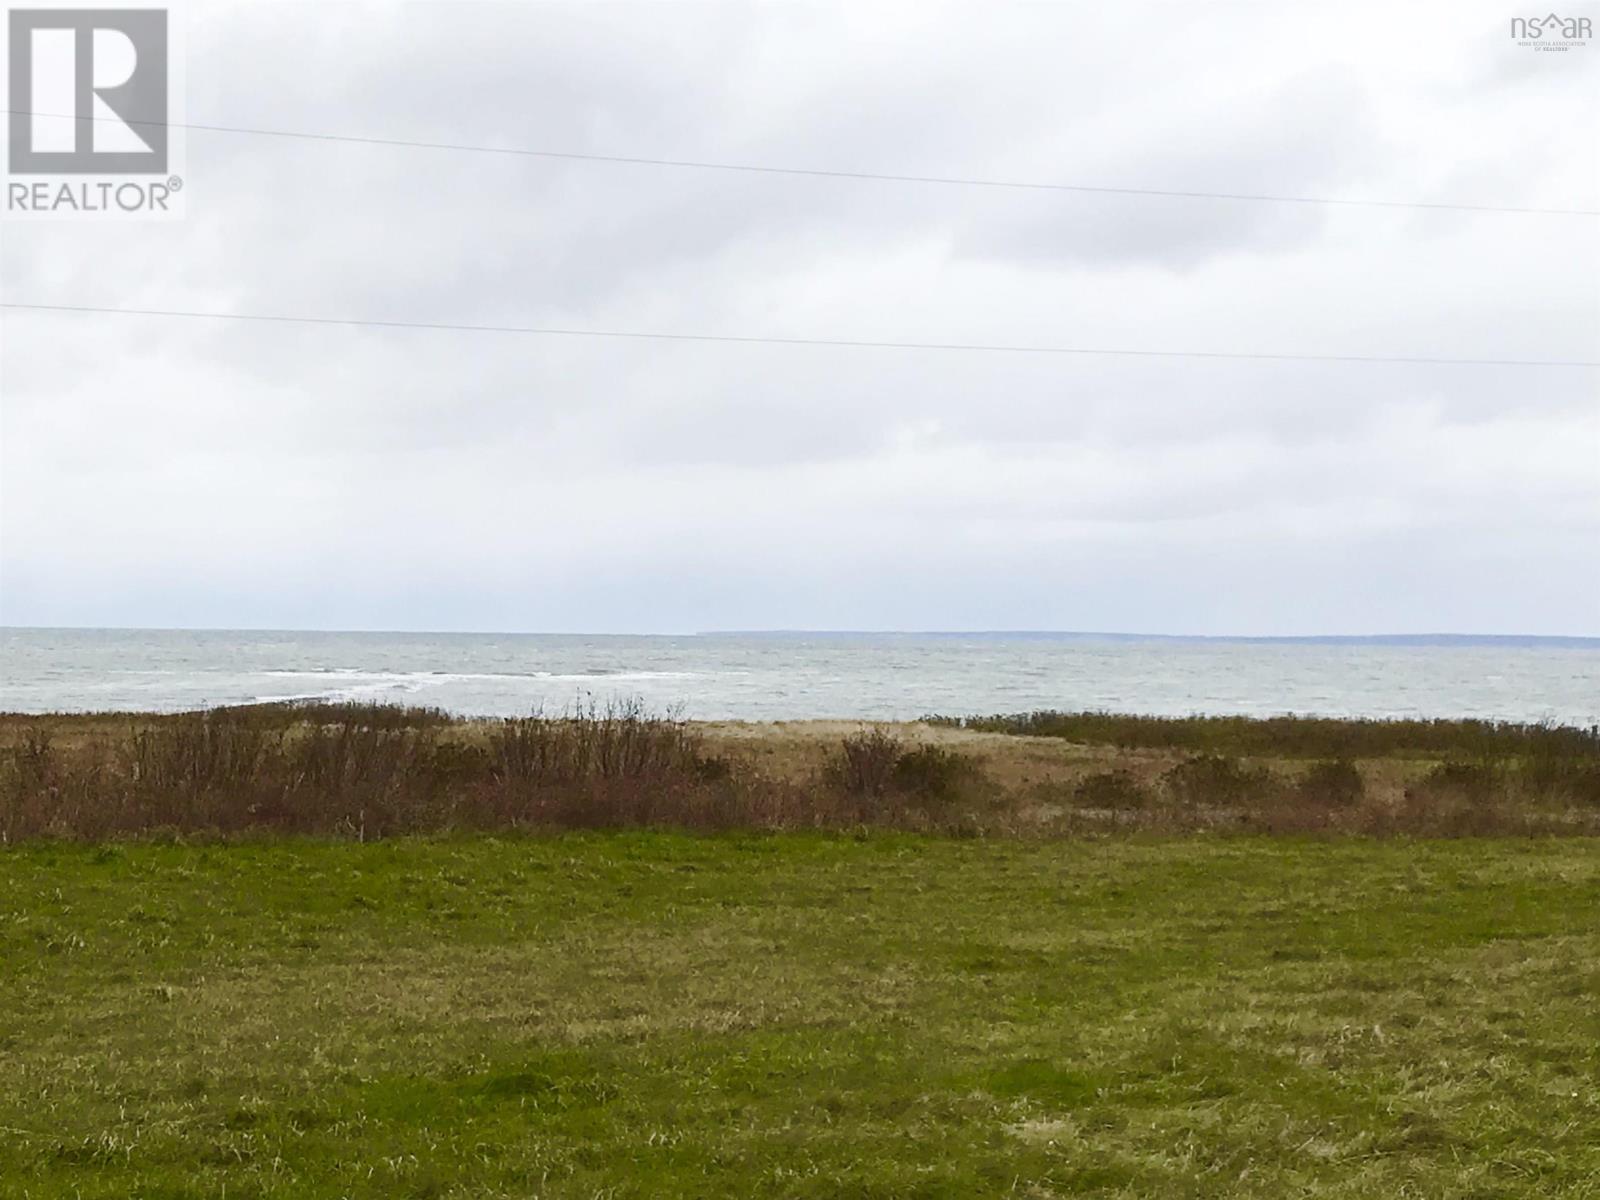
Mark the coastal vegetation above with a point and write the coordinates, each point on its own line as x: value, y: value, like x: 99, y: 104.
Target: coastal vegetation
x: 374, y: 771
x: 320, y: 951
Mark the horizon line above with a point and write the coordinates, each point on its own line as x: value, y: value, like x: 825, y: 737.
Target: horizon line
x: 1118, y: 635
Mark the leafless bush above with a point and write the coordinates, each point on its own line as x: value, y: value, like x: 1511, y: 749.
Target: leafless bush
x: 865, y: 762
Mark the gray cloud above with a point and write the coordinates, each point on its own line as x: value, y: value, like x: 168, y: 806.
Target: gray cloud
x: 170, y: 472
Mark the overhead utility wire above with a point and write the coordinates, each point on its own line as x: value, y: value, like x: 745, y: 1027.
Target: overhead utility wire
x: 849, y: 343
x: 819, y: 173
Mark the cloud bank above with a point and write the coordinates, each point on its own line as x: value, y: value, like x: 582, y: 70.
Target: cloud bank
x: 177, y: 473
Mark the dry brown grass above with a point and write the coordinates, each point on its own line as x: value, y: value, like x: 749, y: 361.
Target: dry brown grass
x: 368, y: 771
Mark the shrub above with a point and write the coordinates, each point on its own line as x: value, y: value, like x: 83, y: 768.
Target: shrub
x: 353, y: 758
x: 1335, y: 783
x: 865, y: 763
x: 453, y: 761
x: 285, y: 714
x: 1215, y: 780
x: 31, y: 763
x: 1296, y: 736
x: 1556, y: 779
x: 934, y: 773
x: 30, y: 777
x: 617, y: 741
x: 876, y: 767
x: 195, y: 753
x: 1583, y: 785
x: 1117, y: 791
x: 1474, y: 783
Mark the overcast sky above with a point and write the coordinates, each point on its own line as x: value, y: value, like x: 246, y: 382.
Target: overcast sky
x: 182, y: 473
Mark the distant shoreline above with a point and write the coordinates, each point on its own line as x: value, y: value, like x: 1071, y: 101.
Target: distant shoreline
x: 1561, y: 641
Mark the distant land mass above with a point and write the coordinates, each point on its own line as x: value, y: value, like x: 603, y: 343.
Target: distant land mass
x: 1554, y: 641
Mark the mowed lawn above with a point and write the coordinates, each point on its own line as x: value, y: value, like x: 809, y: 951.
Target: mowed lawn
x: 642, y: 1014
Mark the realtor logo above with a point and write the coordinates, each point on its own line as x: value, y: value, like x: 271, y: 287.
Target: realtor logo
x: 106, y: 68
x: 90, y: 102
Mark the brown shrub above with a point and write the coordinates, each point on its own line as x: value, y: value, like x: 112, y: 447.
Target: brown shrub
x: 1333, y: 784
x: 1115, y: 791
x: 1216, y: 781
x: 865, y: 763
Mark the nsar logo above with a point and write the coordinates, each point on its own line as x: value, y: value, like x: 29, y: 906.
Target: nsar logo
x: 1551, y: 32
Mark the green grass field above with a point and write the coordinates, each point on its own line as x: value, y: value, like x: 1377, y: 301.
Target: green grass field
x: 647, y: 1014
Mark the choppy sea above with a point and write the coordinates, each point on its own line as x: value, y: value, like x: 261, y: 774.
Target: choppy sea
x: 800, y: 675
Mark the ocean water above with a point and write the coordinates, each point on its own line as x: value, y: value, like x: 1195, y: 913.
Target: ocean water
x: 792, y: 676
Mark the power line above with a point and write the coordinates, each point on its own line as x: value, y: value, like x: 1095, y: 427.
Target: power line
x: 640, y: 335
x: 818, y: 173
